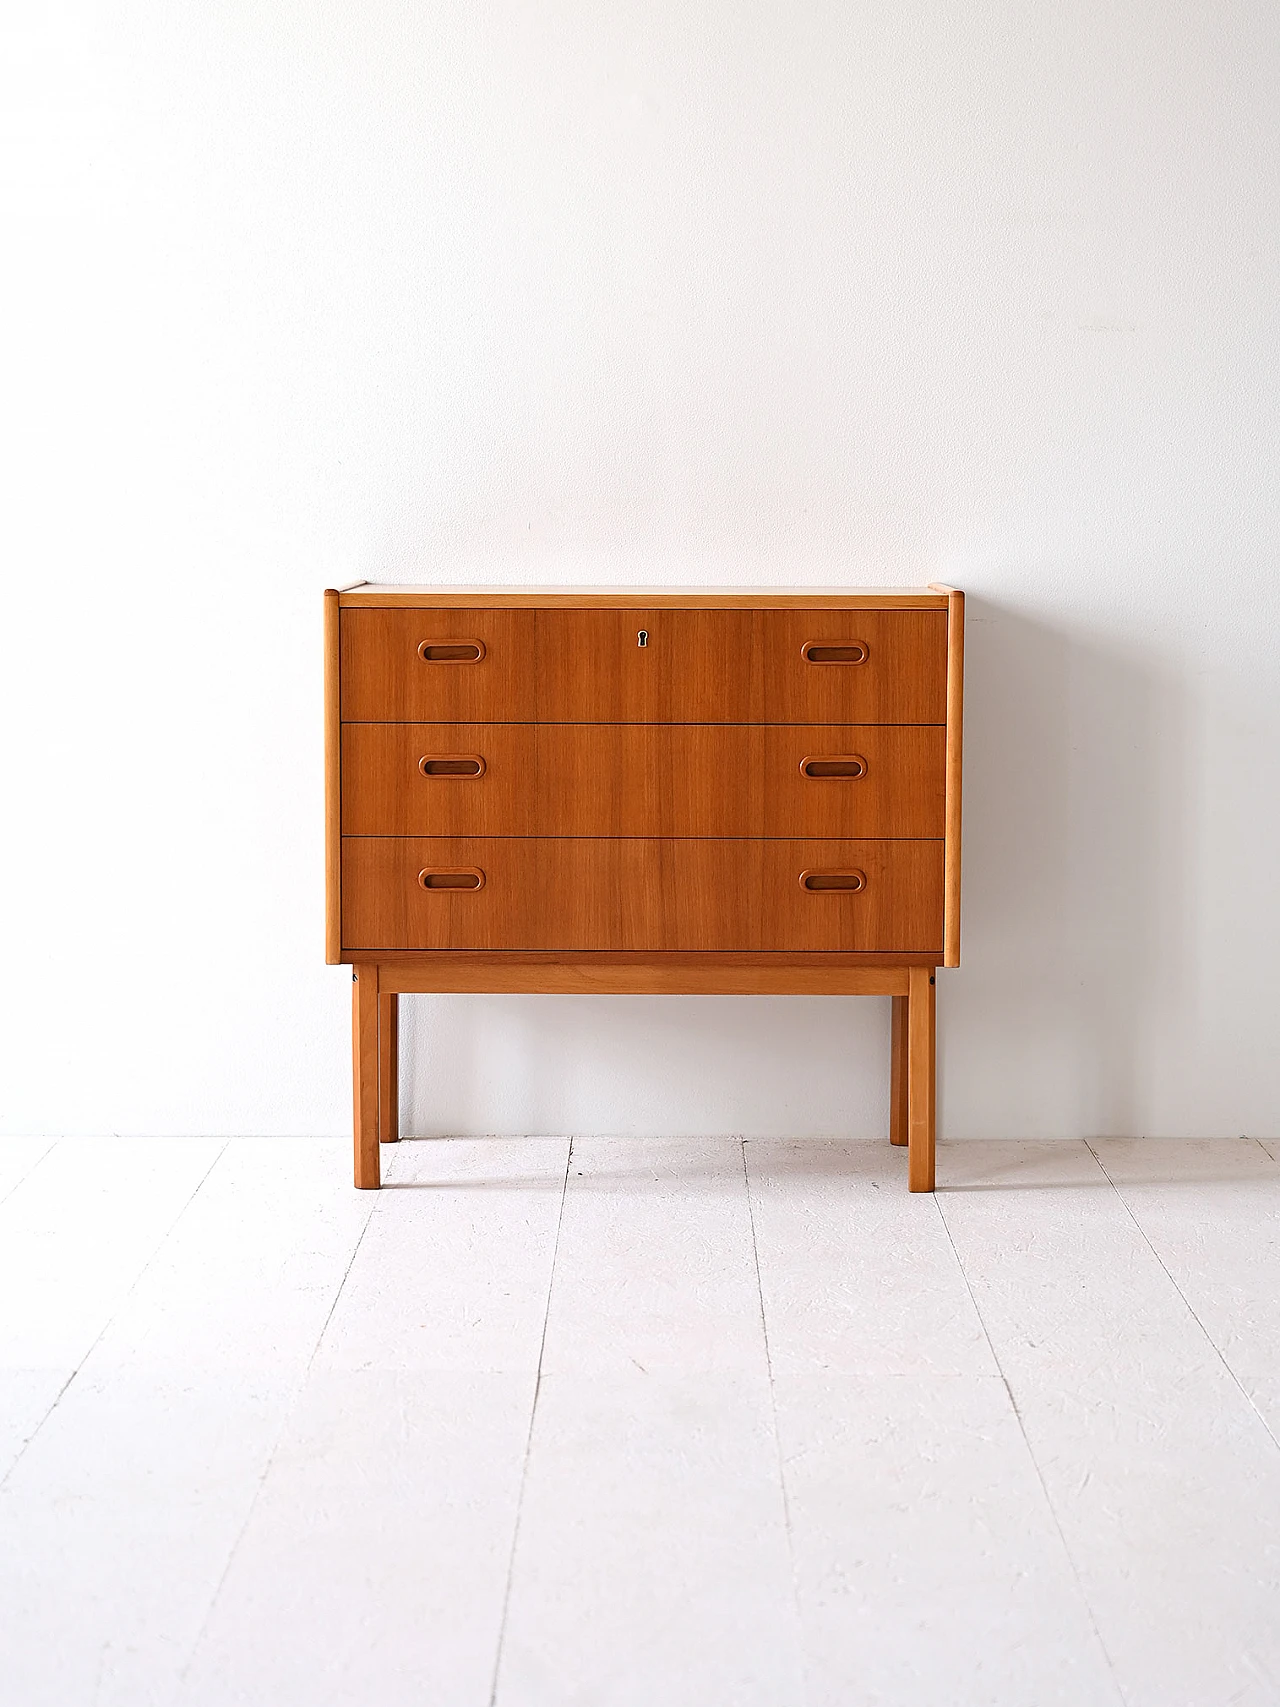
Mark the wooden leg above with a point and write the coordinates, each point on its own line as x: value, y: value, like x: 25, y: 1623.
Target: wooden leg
x: 921, y: 1079
x: 364, y: 1061
x: 388, y: 1068
x: 898, y: 1072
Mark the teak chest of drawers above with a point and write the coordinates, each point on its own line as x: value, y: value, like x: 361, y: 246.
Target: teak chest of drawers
x: 643, y: 791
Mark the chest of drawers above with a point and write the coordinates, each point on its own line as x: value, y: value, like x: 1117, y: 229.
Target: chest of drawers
x: 643, y: 791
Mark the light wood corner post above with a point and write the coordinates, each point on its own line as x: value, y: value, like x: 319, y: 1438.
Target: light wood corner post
x: 364, y: 1074
x: 955, y: 751
x: 332, y: 783
x: 921, y: 1027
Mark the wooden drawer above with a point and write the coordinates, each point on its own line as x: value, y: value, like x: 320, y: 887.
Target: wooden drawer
x: 640, y: 893
x: 590, y: 779
x: 697, y: 666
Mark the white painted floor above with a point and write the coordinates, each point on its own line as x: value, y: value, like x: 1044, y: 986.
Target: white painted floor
x: 639, y: 1423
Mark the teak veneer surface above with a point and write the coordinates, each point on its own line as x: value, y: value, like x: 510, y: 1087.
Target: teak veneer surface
x: 642, y: 975
x: 603, y: 790
x: 388, y: 596
x: 640, y: 893
x: 687, y: 779
x: 697, y: 666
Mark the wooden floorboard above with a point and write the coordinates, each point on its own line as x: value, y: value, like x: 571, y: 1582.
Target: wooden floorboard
x: 687, y: 1420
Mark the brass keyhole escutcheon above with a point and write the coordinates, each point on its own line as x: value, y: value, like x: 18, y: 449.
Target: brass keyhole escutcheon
x: 642, y: 639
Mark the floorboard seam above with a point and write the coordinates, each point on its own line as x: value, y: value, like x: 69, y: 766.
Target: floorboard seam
x: 338, y: 1291
x: 1216, y: 1349
x: 528, y: 1444
x: 1035, y: 1462
x: 286, y: 1413
x: 777, y: 1435
x: 50, y: 1146
x: 160, y: 1243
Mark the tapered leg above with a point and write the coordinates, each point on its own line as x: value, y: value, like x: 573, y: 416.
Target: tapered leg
x: 898, y: 1072
x: 388, y: 1068
x: 921, y: 1078
x: 364, y: 1063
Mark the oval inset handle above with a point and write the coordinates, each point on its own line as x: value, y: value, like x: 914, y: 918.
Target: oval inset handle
x: 814, y: 881
x: 457, y: 877
x: 455, y: 764
x: 833, y: 764
x: 451, y: 651
x: 834, y: 652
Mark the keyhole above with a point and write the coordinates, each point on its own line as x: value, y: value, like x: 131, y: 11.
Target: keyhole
x: 642, y: 639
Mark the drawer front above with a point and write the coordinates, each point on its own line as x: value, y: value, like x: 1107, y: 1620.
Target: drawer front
x: 639, y: 893
x: 512, y: 779
x: 695, y: 666
x: 397, y: 664
x: 853, y: 666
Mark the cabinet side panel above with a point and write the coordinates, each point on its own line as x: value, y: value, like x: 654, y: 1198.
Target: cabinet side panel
x: 955, y: 747
x: 332, y: 786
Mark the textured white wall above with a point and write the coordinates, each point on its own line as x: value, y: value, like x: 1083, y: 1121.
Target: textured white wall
x: 681, y: 291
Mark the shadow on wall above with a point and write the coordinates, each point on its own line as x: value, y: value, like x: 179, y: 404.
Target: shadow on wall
x: 645, y: 1065
x: 1078, y: 928
x: 1078, y: 947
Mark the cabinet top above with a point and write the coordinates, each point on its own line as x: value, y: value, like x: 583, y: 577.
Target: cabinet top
x: 373, y: 594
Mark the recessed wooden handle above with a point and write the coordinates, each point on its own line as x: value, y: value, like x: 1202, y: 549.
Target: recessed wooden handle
x: 814, y: 881
x: 821, y: 765
x: 453, y: 764
x: 451, y: 651
x: 834, y: 652
x: 456, y: 877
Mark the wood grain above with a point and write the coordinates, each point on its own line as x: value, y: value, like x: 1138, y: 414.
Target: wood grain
x: 636, y: 818
x: 332, y: 785
x: 698, y: 666
x: 387, y: 596
x: 642, y: 893
x: 592, y: 779
x: 602, y: 975
x: 921, y: 1078
x: 384, y: 677
x: 955, y: 753
x: 903, y: 680
x: 364, y: 1074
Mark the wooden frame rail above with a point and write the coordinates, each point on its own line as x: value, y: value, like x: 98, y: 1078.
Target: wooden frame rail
x: 377, y: 986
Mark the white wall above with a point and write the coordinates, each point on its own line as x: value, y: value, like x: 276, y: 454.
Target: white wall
x: 682, y: 291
